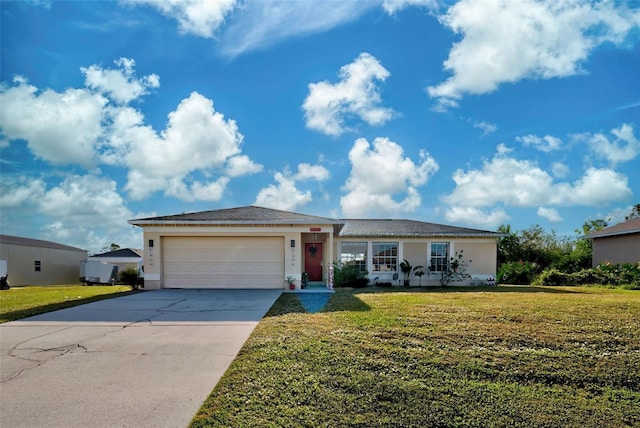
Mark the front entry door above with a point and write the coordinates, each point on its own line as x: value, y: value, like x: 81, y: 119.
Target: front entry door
x: 313, y: 261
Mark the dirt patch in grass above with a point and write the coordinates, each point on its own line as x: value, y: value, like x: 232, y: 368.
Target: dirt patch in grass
x: 480, y: 357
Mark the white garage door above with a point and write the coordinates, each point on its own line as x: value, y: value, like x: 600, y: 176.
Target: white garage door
x: 223, y: 262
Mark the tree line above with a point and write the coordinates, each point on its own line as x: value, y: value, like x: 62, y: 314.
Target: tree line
x: 525, y: 255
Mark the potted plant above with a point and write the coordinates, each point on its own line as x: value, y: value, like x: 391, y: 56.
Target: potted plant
x: 292, y: 282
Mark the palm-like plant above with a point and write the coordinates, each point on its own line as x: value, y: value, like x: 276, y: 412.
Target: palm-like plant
x: 406, y: 267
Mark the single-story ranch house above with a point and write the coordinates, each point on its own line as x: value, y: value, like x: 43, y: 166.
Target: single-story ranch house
x: 255, y: 247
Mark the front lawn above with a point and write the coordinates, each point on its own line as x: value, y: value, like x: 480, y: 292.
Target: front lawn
x: 482, y: 357
x: 22, y: 302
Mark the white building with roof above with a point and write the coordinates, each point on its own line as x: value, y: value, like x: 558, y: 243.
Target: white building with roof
x: 38, y: 262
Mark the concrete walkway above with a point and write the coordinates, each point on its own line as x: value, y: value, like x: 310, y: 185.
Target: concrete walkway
x: 145, y: 360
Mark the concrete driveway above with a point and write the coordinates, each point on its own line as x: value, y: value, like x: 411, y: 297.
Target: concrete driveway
x: 145, y: 360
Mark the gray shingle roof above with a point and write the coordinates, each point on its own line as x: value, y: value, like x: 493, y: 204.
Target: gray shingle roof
x: 29, y: 242
x: 241, y: 215
x: 252, y: 215
x: 122, y: 252
x: 629, y: 226
x: 407, y: 228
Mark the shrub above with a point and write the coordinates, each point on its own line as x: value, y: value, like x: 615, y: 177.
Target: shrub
x: 627, y: 275
x: 349, y: 275
x: 515, y: 273
x: 129, y: 276
x: 553, y: 277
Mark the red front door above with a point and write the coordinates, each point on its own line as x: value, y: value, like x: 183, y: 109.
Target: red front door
x: 313, y: 261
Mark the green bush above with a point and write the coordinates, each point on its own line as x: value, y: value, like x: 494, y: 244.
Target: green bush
x: 516, y: 273
x: 129, y: 276
x: 553, y: 277
x: 349, y: 275
x: 625, y: 275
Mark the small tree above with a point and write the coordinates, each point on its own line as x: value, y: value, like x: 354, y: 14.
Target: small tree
x: 129, y: 276
x: 109, y: 248
x: 456, y: 269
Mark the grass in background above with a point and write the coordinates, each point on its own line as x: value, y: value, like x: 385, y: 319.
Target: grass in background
x: 22, y: 302
x: 500, y: 356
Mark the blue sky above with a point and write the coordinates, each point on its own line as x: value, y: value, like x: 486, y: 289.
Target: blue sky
x: 472, y: 113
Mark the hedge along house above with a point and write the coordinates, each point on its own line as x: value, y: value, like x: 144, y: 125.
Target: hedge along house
x: 38, y: 262
x: 255, y: 247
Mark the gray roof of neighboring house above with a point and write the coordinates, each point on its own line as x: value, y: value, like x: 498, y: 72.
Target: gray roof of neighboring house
x: 241, y: 215
x: 121, y: 253
x: 629, y: 226
x: 391, y: 227
x: 253, y: 215
x: 29, y: 242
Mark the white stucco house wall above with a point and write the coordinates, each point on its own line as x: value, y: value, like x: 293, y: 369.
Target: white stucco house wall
x: 255, y: 247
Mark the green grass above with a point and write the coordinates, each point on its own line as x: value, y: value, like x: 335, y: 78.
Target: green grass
x: 491, y: 357
x: 22, y: 302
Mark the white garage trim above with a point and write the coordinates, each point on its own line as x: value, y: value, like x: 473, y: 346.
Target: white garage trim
x: 223, y: 262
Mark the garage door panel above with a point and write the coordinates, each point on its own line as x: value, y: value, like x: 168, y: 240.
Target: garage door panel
x: 223, y: 262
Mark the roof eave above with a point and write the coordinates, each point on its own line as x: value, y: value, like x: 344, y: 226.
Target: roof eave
x: 225, y: 223
x: 420, y: 235
x: 606, y: 235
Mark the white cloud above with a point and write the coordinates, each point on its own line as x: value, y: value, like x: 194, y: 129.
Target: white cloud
x: 355, y: 95
x: 20, y: 192
x: 81, y: 126
x: 623, y: 146
x: 197, y: 138
x: 522, y: 183
x: 120, y: 85
x: 263, y: 23
x: 393, y: 6
x: 504, y: 41
x: 259, y: 24
x: 550, y: 214
x: 312, y: 172
x: 486, y: 127
x: 545, y: 144
x: 285, y: 195
x: 240, y: 165
x: 83, y: 210
x: 559, y: 169
x: 381, y: 173
x: 476, y: 216
x: 198, y: 17
x: 68, y: 126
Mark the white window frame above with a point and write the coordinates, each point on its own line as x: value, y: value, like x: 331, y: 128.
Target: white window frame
x: 437, y: 255
x: 387, y: 260
x: 349, y: 257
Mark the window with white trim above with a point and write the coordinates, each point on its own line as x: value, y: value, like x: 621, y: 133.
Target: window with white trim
x: 439, y: 256
x: 385, y: 256
x: 354, y: 253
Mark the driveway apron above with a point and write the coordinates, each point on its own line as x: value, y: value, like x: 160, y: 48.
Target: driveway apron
x: 148, y: 359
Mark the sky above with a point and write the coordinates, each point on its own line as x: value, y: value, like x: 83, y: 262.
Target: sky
x: 474, y: 113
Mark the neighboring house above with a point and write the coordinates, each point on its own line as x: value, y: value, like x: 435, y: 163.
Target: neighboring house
x: 617, y: 244
x: 254, y: 247
x: 124, y: 258
x: 37, y: 262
